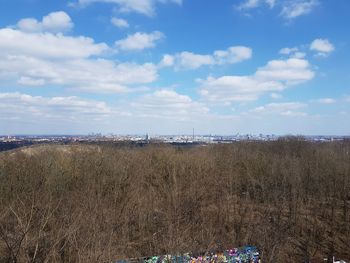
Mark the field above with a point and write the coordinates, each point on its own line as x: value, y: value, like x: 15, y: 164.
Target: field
x: 98, y: 203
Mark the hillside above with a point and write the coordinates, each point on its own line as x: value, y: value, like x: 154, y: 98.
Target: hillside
x: 90, y: 203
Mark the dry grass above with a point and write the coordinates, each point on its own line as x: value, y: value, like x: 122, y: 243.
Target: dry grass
x: 84, y: 203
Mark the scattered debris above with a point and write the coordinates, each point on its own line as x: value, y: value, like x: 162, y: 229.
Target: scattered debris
x: 247, y: 254
x: 336, y: 261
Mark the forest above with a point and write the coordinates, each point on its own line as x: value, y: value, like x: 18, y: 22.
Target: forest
x: 99, y: 203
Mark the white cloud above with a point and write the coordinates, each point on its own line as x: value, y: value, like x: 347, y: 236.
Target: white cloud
x: 189, y: 60
x: 29, y: 25
x: 289, y: 72
x: 326, y: 101
x: 25, y: 106
x: 119, y: 22
x: 284, y: 109
x: 275, y: 95
x: 28, y: 81
x: 250, y: 4
x: 292, y: 52
x: 140, y: 41
x: 276, y: 76
x: 146, y: 7
x: 298, y: 55
x: 296, y: 8
x: 46, y: 45
x: 323, y: 47
x: 168, y: 104
x: 236, y: 88
x: 289, y: 8
x: 232, y: 55
x: 167, y: 61
x: 290, y: 113
x: 38, y: 59
x: 54, y: 22
x: 85, y: 74
x: 288, y: 51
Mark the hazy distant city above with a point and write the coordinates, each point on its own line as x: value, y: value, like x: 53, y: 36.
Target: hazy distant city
x: 171, y: 139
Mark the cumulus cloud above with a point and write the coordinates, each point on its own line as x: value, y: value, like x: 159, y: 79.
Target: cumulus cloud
x: 296, y: 8
x: 292, y: 52
x: 250, y: 4
x: 284, y: 109
x: 323, y: 47
x: 146, y: 7
x: 119, y: 22
x: 325, y: 101
x: 47, y: 45
x: 167, y: 61
x: 26, y: 113
x: 23, y: 106
x: 275, y: 76
x: 247, y: 4
x: 299, y: 55
x: 54, y: 22
x: 232, y: 55
x: 38, y: 59
x: 140, y: 41
x: 288, y: 51
x: 289, y: 72
x: 236, y: 88
x: 168, y: 104
x: 28, y: 81
x: 85, y: 74
x: 188, y: 60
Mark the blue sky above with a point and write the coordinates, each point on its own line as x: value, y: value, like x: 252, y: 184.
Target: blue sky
x: 167, y: 66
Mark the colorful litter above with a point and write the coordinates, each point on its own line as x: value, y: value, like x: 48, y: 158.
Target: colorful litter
x: 247, y: 254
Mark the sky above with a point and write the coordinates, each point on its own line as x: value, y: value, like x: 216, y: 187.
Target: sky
x: 170, y: 66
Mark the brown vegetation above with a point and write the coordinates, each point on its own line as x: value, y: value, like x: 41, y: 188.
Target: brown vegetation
x: 83, y: 203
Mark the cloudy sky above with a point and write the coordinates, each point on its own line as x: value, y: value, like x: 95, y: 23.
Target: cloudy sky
x: 167, y: 66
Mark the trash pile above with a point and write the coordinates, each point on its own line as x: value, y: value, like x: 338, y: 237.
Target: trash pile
x: 247, y: 254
